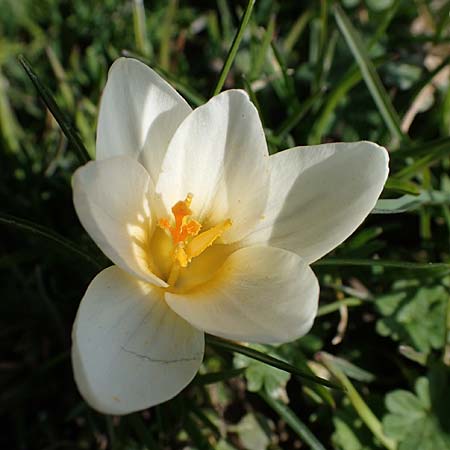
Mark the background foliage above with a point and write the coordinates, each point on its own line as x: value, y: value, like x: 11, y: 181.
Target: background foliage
x: 365, y: 69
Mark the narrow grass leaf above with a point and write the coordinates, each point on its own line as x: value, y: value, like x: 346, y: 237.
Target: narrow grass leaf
x: 164, y: 51
x: 431, y: 155
x: 382, y: 263
x: 297, y: 115
x: 234, y: 47
x: 297, y: 30
x: 364, y: 412
x: 293, y: 421
x: 289, y: 87
x: 370, y: 75
x: 217, y: 377
x: 62, y: 119
x: 10, y: 129
x: 39, y: 230
x: 142, y: 431
x: 194, y: 432
x: 143, y: 45
x: 350, y: 79
x: 263, y: 49
x: 336, y: 306
x: 446, y: 353
x: 401, y: 186
x: 408, y: 203
x: 266, y: 359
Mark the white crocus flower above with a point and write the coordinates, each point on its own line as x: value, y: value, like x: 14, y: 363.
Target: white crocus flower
x: 206, y: 231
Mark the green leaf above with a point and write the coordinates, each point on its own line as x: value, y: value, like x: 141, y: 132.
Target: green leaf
x: 414, y: 315
x: 350, y: 433
x: 411, y: 202
x: 420, y: 420
x: 351, y: 370
x: 234, y: 47
x: 261, y: 376
x: 266, y: 359
x: 67, y: 128
x: 251, y: 433
x: 370, y: 75
x: 294, y: 422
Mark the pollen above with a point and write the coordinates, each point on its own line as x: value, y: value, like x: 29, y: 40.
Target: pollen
x: 184, y: 226
x: 187, y: 240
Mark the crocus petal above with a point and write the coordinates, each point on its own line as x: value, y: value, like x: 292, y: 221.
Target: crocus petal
x: 139, y: 114
x: 111, y: 200
x: 319, y: 195
x: 130, y: 350
x: 219, y: 154
x: 261, y: 294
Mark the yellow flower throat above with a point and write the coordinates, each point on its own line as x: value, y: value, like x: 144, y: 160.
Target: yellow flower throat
x: 187, y: 240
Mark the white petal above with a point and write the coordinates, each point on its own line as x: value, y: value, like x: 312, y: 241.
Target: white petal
x: 130, y: 350
x: 219, y: 154
x: 261, y: 294
x: 139, y: 113
x: 111, y: 200
x: 319, y: 195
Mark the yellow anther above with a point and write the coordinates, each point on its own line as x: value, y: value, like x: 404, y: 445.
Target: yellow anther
x: 187, y: 240
x: 179, y: 255
x: 204, y: 240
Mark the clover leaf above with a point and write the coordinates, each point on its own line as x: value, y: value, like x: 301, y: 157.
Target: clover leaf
x: 420, y: 420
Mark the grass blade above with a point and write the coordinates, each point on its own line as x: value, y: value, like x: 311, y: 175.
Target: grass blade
x: 433, y: 155
x: 234, y: 47
x: 217, y: 377
x: 142, y: 430
x: 266, y: 359
x: 34, y: 228
x: 335, y: 306
x: 297, y: 115
x: 63, y: 121
x: 293, y: 421
x: 196, y: 435
x: 164, y: 51
x: 350, y: 79
x: 381, y: 263
x: 370, y: 75
x: 10, y: 129
x: 143, y: 45
x: 367, y: 416
x: 401, y: 186
x: 262, y: 51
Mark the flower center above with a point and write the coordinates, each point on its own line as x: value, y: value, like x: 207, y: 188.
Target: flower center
x: 187, y: 241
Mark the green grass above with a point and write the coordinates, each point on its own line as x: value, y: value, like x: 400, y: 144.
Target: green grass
x: 317, y: 73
